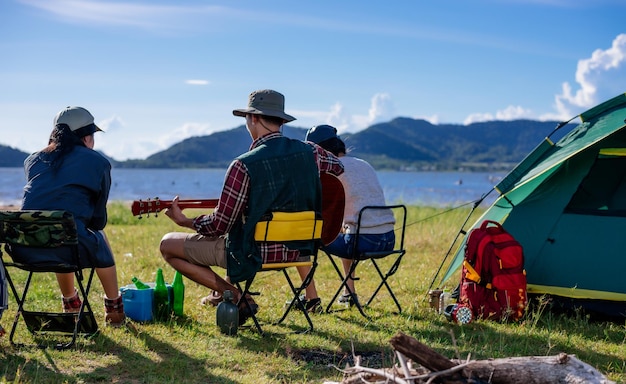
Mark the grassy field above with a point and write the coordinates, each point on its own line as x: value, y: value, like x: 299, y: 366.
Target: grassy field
x: 192, y: 350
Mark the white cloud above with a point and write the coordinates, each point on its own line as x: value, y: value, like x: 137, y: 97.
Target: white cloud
x: 183, y: 132
x: 599, y: 77
x: 147, y: 16
x: 381, y: 109
x: 197, y: 82
x: 509, y: 113
x: 122, y: 143
x: 112, y: 124
x: 337, y: 118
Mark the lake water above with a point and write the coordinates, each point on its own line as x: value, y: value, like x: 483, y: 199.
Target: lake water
x: 442, y: 189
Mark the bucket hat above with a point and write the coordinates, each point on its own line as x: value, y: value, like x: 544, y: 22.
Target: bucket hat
x: 265, y: 102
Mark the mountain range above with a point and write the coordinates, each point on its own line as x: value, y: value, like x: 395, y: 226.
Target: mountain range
x: 400, y: 144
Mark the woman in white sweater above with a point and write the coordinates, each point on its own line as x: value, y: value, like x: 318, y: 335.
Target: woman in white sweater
x: 362, y: 188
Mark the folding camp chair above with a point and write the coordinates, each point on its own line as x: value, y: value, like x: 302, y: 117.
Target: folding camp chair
x: 283, y: 227
x: 302, y: 226
x: 398, y: 252
x: 44, y: 232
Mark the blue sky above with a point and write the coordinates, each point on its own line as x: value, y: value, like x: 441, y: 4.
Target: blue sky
x: 156, y: 72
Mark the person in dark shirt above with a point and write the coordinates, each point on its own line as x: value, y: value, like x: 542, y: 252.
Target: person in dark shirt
x: 69, y: 175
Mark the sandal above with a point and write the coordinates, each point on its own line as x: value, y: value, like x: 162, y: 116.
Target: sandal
x: 314, y: 305
x: 213, y: 299
x: 350, y: 299
x: 311, y: 305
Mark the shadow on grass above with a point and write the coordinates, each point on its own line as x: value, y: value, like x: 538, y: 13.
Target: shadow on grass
x: 165, y: 363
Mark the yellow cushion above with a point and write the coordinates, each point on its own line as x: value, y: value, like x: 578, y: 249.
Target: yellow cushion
x: 289, y: 226
x: 280, y: 265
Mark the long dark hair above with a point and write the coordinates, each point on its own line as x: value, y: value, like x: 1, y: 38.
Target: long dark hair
x: 334, y: 145
x: 62, y: 141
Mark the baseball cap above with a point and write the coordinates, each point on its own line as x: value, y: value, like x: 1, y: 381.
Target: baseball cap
x: 79, y: 120
x: 321, y: 133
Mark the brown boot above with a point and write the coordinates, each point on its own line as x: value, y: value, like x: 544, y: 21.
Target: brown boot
x: 72, y: 304
x: 114, y: 312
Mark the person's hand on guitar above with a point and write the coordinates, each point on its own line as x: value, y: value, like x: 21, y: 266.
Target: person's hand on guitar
x: 175, y: 213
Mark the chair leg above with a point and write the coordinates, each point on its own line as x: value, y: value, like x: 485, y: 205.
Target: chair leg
x: 244, y: 292
x: 383, y: 281
x: 84, y: 308
x: 330, y: 303
x: 79, y: 318
x: 344, y: 284
x: 20, y: 304
x: 296, y: 300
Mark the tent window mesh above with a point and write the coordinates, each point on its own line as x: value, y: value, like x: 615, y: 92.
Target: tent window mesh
x: 603, y: 190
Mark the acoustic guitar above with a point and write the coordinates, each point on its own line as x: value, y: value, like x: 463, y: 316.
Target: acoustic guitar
x: 333, y: 202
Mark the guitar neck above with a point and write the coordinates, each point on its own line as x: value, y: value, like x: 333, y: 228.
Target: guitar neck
x: 141, y: 207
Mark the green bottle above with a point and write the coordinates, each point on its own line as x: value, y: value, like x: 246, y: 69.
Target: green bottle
x: 161, y: 298
x: 178, y: 287
x: 227, y: 315
x: 139, y: 284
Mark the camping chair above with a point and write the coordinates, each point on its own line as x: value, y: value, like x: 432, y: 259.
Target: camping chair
x: 320, y: 231
x: 398, y: 252
x: 283, y: 227
x: 45, y: 230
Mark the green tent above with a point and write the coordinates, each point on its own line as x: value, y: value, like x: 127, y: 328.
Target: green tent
x: 566, y: 204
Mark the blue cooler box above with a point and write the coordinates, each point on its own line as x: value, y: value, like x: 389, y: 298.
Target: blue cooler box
x: 137, y: 302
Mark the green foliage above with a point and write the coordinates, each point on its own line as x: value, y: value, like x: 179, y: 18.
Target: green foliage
x: 191, y: 348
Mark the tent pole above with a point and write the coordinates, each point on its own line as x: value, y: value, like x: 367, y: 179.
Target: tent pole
x: 461, y: 232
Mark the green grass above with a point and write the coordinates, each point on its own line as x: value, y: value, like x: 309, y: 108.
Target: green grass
x: 191, y: 349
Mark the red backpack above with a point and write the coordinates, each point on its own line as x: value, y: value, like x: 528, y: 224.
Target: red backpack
x: 493, y: 280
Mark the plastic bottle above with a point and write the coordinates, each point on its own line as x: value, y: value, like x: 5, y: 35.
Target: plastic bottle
x: 227, y: 315
x: 139, y: 284
x: 161, y: 298
x: 178, y: 287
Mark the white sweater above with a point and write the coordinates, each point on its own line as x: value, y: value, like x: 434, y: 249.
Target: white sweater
x: 362, y: 188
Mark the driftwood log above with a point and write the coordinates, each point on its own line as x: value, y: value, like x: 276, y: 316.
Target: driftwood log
x: 562, y: 368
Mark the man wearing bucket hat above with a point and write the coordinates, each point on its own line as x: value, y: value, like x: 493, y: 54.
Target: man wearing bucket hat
x: 276, y: 174
x: 362, y: 188
x: 69, y: 175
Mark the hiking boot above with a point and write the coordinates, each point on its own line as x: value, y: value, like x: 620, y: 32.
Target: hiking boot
x: 114, y: 312
x: 213, y: 299
x: 72, y: 304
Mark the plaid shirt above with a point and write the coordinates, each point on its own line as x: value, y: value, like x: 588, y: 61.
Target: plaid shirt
x: 234, y: 198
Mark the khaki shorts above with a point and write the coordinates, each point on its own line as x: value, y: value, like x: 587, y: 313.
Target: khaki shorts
x: 206, y: 251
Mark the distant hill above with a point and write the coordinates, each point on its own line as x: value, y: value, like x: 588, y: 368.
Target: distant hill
x: 405, y: 142
x: 11, y: 157
x: 401, y: 143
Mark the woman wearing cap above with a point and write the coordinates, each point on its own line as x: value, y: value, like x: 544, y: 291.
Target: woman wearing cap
x: 362, y: 188
x: 69, y: 175
x: 276, y: 174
